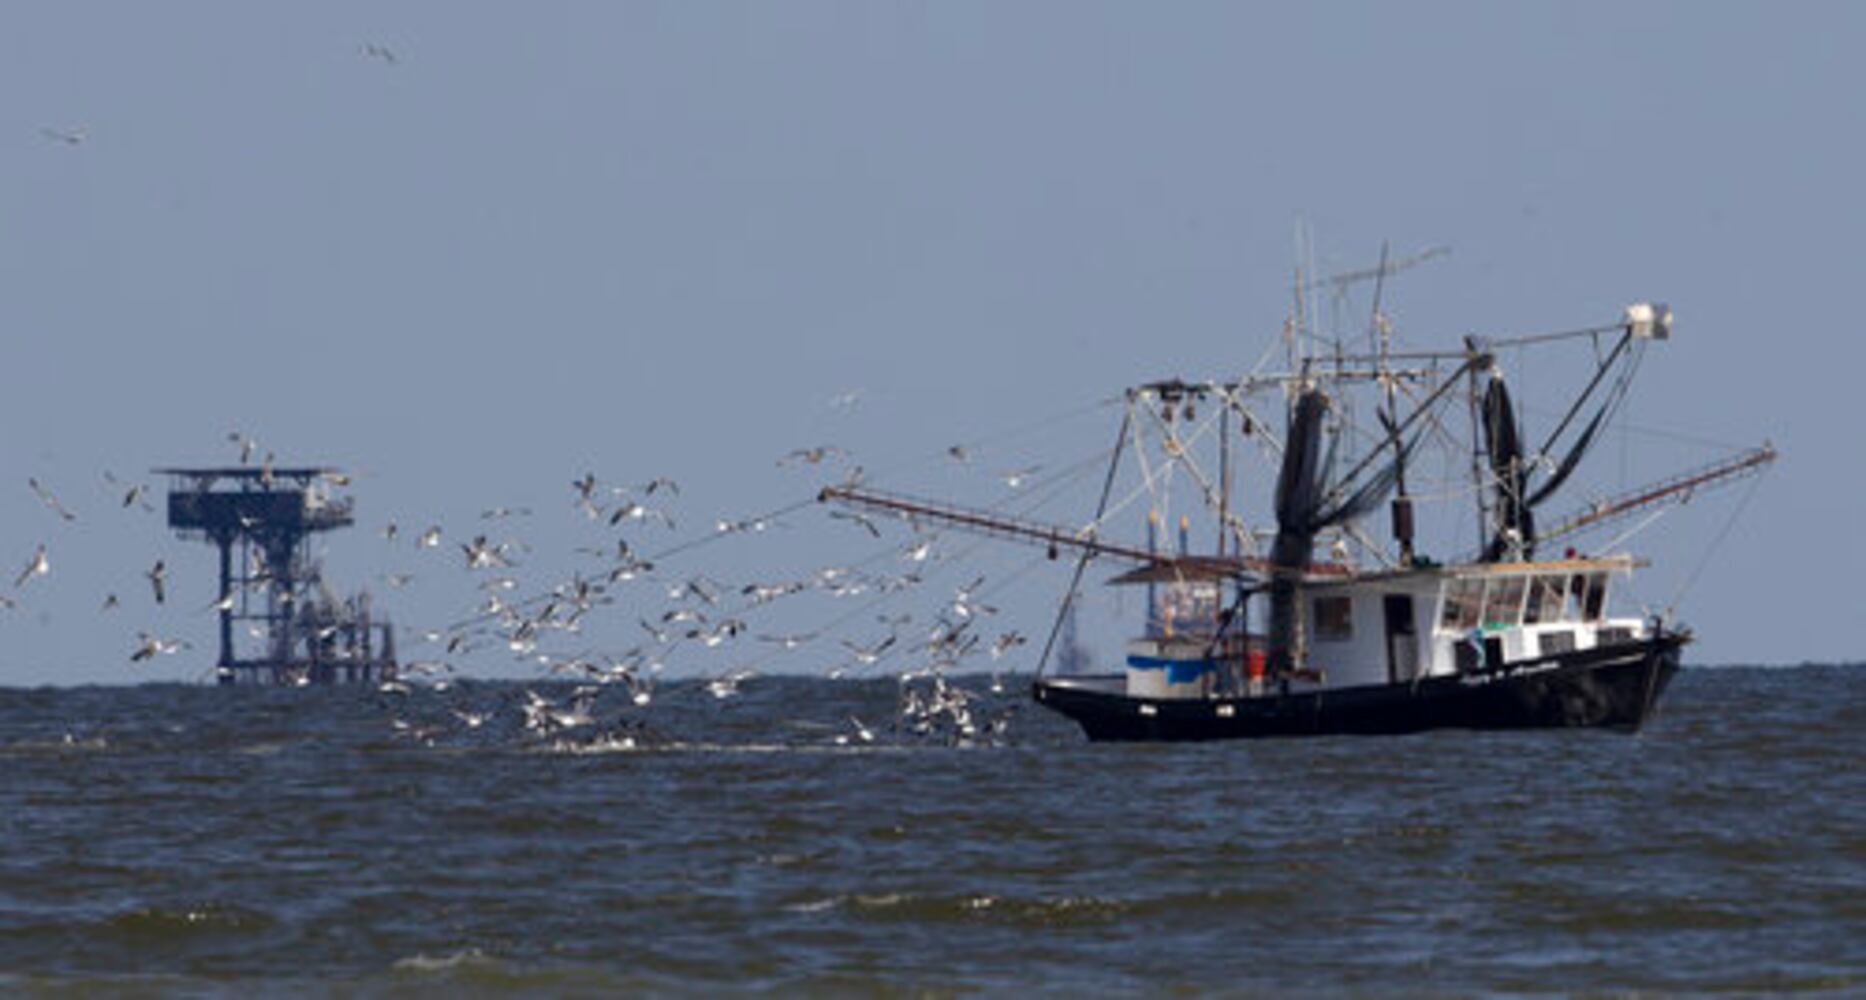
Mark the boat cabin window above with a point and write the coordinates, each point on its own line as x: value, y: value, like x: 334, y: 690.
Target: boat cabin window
x: 1545, y: 600
x: 1503, y: 606
x: 1185, y: 606
x: 1334, y: 617
x: 1596, y: 597
x: 1587, y: 596
x: 1463, y: 600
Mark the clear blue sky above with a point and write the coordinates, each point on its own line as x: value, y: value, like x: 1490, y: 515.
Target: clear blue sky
x: 646, y: 238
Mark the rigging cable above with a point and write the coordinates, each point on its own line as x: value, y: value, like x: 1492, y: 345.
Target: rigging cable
x: 1723, y: 533
x: 1069, y: 596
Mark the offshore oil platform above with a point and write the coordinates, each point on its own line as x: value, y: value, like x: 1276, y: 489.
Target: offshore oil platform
x: 289, y: 626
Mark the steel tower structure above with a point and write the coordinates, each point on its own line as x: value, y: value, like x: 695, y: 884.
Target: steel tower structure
x: 261, y: 520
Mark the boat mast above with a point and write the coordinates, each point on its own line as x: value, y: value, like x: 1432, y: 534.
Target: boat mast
x: 1477, y: 447
x: 1224, y: 476
x: 1383, y: 330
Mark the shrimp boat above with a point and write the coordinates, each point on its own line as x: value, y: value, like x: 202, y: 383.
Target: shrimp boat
x: 1262, y: 638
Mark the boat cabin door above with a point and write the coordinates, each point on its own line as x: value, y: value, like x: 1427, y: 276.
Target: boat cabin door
x: 1402, y: 638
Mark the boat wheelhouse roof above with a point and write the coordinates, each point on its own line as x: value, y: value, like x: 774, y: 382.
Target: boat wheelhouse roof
x: 1252, y: 571
x: 1487, y: 570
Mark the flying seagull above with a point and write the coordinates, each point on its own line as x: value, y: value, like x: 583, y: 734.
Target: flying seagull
x: 38, y: 566
x: 46, y: 497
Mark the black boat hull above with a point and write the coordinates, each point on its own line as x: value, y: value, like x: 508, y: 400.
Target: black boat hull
x: 1614, y: 686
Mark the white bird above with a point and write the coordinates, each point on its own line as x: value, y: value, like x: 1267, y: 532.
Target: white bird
x: 868, y: 654
x: 919, y: 552
x: 430, y: 538
x: 537, y: 709
x: 629, y: 510
x: 1017, y: 478
x: 68, y: 136
x: 814, y: 455
x: 46, y: 497
x: 765, y: 593
x: 153, y: 646
x: 727, y: 686
x: 659, y: 635
x: 697, y: 586
x: 1005, y: 643
x: 965, y: 606
x: 845, y: 400
x: 752, y: 524
x: 724, y: 630
x: 39, y: 565
x: 630, y: 570
x: 472, y: 720
x: 481, y: 553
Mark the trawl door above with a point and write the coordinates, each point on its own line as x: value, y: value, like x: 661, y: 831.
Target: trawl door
x: 1402, y: 638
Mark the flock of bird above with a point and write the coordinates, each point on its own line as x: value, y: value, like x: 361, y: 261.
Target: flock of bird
x: 673, y: 611
x: 630, y: 581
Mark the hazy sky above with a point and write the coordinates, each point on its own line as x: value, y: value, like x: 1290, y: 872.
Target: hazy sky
x: 647, y: 238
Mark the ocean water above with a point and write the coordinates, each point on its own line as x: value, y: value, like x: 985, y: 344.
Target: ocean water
x: 167, y: 839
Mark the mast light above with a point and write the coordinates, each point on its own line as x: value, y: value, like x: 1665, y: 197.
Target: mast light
x: 1650, y: 320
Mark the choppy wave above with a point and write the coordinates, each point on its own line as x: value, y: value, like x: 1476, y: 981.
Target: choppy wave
x: 805, y: 837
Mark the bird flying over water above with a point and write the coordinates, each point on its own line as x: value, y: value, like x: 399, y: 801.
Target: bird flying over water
x: 46, y: 497
x: 133, y: 492
x: 629, y: 510
x: 155, y: 646
x: 158, y: 577
x: 868, y: 654
x: 1017, y: 478
x: 1005, y: 643
x: 38, y: 565
x: 814, y: 455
